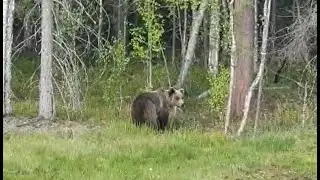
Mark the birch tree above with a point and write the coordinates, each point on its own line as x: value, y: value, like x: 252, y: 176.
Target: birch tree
x: 8, y: 8
x: 192, y: 43
x: 214, y: 38
x: 46, y: 90
x: 173, y: 50
x: 255, y: 53
x: 232, y: 57
x: 184, y: 37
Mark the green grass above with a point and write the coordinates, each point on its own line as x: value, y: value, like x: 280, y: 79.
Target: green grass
x: 120, y: 151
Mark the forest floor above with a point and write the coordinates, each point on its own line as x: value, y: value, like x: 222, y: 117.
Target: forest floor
x: 33, y: 125
x: 118, y: 150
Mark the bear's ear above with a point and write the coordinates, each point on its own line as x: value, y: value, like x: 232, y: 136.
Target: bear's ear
x: 171, y: 91
x: 181, y: 90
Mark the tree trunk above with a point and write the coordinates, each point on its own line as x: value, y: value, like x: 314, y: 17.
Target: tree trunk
x: 192, y: 43
x: 8, y: 8
x: 125, y: 29
x: 100, y: 24
x: 244, y: 32
x: 255, y: 53
x: 214, y: 39
x: 46, y: 90
x: 122, y: 22
x: 184, y: 36
x: 259, y: 77
x: 256, y: 120
x: 205, y: 40
x: 27, y: 33
x: 173, y: 35
x: 232, y: 59
x: 149, y: 84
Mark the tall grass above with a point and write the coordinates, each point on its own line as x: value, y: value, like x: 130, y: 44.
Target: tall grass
x: 120, y: 151
x: 188, y: 151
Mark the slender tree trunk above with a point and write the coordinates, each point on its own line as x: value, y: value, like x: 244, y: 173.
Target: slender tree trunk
x: 100, y: 23
x: 232, y: 59
x: 205, y: 40
x: 214, y: 37
x: 258, y: 107
x: 173, y: 35
x: 244, y: 33
x: 304, y: 107
x: 149, y: 51
x: 120, y: 21
x: 27, y: 33
x: 125, y: 29
x: 192, y: 43
x: 46, y: 90
x: 255, y: 53
x: 259, y: 77
x: 184, y: 37
x: 8, y: 8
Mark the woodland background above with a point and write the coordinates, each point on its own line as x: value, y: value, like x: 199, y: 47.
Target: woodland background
x: 248, y: 67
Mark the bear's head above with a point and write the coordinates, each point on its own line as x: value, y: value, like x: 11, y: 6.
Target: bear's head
x: 175, y: 96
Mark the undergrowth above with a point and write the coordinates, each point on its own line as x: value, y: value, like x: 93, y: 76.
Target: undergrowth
x: 281, y: 108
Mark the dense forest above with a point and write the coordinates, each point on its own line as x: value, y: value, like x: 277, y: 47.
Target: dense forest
x: 247, y: 66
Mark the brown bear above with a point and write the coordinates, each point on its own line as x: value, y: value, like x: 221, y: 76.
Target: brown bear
x: 152, y: 108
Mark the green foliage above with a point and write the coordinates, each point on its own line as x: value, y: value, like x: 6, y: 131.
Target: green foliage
x: 138, y: 44
x: 149, y: 36
x: 225, y: 37
x: 116, y: 62
x: 26, y: 108
x: 219, y: 90
x: 25, y: 78
x: 197, y: 81
x: 194, y: 4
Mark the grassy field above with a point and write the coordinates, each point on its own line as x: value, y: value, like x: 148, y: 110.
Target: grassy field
x: 120, y: 151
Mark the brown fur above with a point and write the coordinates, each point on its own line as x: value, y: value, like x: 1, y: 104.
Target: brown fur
x: 152, y: 108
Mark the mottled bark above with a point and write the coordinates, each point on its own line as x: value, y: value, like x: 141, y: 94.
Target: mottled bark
x: 214, y: 40
x: 259, y: 77
x: 244, y: 33
x: 46, y: 90
x: 8, y: 8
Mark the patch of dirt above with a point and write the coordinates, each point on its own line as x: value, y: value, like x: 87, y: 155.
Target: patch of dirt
x: 39, y: 125
x: 273, y: 172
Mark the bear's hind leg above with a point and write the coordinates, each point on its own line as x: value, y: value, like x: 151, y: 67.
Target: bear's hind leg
x: 163, y: 119
x: 150, y: 114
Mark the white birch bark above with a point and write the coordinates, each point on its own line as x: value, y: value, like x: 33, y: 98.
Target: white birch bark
x: 232, y: 64
x: 184, y: 36
x: 173, y: 50
x: 192, y: 43
x: 46, y: 89
x: 8, y: 8
x: 214, y: 39
x: 255, y: 46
